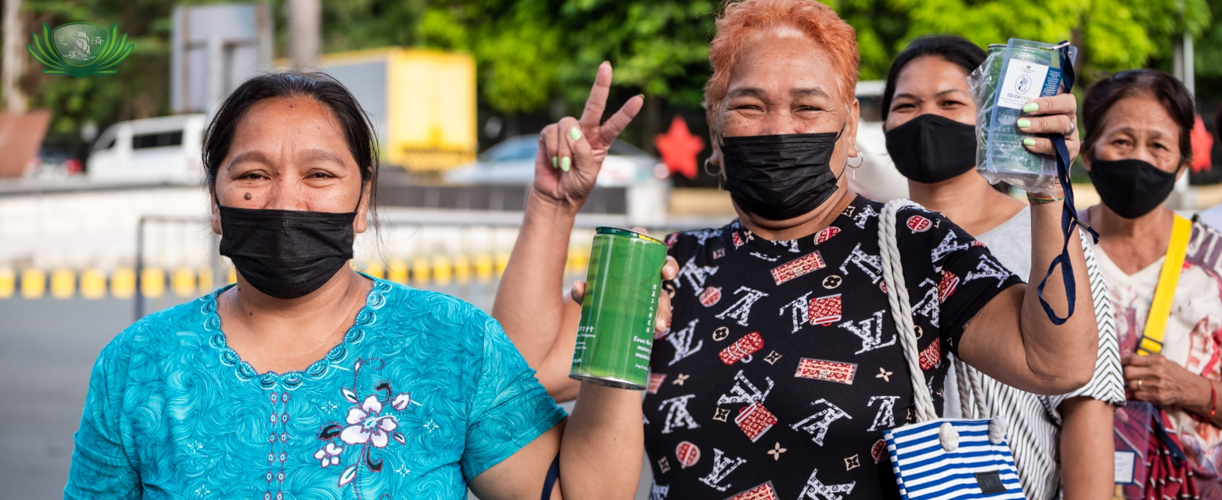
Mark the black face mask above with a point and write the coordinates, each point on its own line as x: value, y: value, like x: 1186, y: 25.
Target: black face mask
x: 779, y: 177
x: 1131, y: 188
x: 286, y: 253
x: 932, y: 148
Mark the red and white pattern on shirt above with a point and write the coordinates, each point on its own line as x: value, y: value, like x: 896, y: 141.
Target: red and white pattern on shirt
x: 710, y: 296
x: 801, y: 266
x: 741, y: 348
x: 977, y: 243
x: 830, y: 371
x: 826, y: 234
x: 825, y: 310
x: 879, y: 450
x: 670, y: 240
x: 687, y: 453
x: 738, y: 239
x: 762, y: 492
x: 947, y: 285
x: 754, y: 420
x: 919, y: 224
x: 931, y: 356
x: 655, y: 381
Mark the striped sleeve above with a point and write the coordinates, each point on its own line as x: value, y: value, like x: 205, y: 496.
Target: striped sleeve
x: 1108, y: 382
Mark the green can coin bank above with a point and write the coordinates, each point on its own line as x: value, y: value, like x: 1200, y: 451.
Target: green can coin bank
x: 618, y: 311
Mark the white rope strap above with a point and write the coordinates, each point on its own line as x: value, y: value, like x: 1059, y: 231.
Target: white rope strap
x: 965, y: 389
x: 901, y: 307
x: 978, y: 393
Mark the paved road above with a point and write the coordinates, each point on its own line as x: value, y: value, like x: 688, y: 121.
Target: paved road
x: 47, y: 349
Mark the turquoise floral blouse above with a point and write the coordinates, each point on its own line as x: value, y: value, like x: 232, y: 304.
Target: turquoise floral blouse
x: 424, y: 393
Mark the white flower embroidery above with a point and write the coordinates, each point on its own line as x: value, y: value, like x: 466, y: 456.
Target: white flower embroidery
x: 367, y: 424
x: 329, y: 454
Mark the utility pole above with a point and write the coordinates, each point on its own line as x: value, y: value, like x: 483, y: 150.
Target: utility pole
x: 1182, y: 66
x: 1190, y: 76
x: 305, y: 28
x: 13, y: 64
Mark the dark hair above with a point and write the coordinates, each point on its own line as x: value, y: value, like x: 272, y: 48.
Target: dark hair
x: 953, y: 49
x: 358, y: 129
x: 1218, y: 123
x: 1169, y: 92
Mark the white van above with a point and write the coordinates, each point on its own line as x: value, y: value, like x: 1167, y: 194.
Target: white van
x: 163, y: 150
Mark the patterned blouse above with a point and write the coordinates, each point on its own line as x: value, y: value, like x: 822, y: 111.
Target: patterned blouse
x: 782, y: 368
x: 1193, y: 338
x: 424, y: 393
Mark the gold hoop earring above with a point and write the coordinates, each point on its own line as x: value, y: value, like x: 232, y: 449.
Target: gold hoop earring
x: 860, y: 160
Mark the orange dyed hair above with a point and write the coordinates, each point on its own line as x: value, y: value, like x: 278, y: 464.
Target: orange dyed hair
x: 742, y: 22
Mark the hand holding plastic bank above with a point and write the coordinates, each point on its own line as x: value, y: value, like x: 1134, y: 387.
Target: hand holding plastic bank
x: 1022, y: 97
x: 572, y: 151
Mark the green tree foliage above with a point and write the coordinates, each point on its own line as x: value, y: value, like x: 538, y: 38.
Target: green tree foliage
x: 880, y: 29
x: 1112, y: 35
x: 517, y: 46
x: 531, y: 52
x: 1209, y: 44
x: 659, y: 46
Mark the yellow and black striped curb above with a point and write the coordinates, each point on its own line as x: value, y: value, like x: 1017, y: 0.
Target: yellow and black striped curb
x: 156, y: 282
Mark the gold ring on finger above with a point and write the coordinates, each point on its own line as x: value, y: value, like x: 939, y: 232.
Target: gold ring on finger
x: 1138, y: 384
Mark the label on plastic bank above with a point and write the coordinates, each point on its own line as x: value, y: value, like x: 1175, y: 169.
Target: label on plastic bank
x: 1024, y: 81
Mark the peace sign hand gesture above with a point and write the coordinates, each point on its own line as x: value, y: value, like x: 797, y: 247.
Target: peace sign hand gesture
x: 571, y: 152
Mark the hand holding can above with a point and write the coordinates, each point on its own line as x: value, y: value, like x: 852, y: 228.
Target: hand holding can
x: 618, y: 309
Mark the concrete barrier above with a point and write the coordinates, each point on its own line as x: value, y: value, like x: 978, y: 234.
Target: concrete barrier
x: 8, y: 283
x: 185, y: 282
x: 33, y: 283
x: 93, y: 284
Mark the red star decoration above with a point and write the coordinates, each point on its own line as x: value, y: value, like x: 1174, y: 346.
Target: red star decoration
x: 1202, y: 144
x: 679, y: 148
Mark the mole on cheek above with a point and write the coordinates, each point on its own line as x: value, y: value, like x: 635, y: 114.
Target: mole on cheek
x: 247, y: 196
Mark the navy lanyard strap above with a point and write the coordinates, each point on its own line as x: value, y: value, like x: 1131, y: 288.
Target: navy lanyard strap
x: 1160, y: 429
x: 553, y: 473
x: 1069, y: 214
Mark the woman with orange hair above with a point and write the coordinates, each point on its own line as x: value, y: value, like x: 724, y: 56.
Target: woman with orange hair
x: 779, y: 370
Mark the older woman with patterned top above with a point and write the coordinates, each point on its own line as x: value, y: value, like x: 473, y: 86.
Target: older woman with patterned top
x: 1137, y: 144
x: 780, y: 369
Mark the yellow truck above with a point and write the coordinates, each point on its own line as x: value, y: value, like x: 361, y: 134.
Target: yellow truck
x: 421, y: 101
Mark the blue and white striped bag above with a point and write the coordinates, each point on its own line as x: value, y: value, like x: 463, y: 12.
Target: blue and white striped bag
x: 939, y: 459
x: 975, y: 468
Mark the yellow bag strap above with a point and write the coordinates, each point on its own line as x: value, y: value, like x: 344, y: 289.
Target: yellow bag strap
x: 1168, y: 278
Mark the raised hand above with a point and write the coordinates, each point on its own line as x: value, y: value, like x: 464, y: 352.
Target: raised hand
x: 571, y: 151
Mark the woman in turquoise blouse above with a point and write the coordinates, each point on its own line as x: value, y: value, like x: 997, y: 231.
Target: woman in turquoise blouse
x: 309, y: 380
